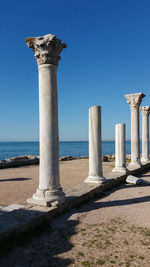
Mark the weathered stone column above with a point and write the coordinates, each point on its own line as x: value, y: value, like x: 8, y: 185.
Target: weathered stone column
x: 95, y: 150
x: 134, y: 100
x: 47, y: 49
x: 120, y: 149
x: 145, y: 134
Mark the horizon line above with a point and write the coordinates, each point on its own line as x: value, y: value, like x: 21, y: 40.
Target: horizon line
x: 105, y: 140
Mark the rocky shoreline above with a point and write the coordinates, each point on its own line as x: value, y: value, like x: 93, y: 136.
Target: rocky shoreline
x: 33, y: 160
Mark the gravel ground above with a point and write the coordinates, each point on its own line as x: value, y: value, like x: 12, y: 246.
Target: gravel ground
x: 19, y: 184
x: 111, y: 231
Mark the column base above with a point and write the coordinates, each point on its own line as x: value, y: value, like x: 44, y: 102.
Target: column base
x: 134, y: 165
x: 145, y: 161
x: 95, y: 179
x: 119, y: 169
x: 47, y: 198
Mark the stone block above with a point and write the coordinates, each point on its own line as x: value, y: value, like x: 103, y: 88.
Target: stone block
x: 12, y: 207
x: 135, y: 180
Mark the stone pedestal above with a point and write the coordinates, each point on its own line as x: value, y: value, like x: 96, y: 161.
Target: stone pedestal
x: 95, y: 153
x: 47, y: 49
x: 120, y: 149
x: 134, y: 100
x: 145, y: 134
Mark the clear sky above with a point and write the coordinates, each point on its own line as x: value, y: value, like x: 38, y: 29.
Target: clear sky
x: 108, y: 56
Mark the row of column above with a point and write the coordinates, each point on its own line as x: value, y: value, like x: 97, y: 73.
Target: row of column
x: 134, y: 100
x: 47, y: 51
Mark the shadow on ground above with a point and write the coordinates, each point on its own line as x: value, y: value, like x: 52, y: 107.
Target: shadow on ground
x: 14, y: 179
x: 45, y: 244
x: 103, y: 204
x: 41, y: 246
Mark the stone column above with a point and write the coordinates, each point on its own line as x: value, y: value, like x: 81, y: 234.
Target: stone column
x: 134, y: 100
x: 145, y: 134
x: 95, y: 151
x: 47, y: 49
x: 120, y: 149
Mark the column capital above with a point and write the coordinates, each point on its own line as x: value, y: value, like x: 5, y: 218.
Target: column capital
x: 134, y: 100
x: 145, y: 110
x: 46, y: 48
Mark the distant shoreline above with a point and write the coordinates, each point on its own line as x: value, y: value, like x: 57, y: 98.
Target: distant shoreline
x: 59, y: 141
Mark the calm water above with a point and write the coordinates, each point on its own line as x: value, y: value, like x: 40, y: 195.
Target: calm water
x: 12, y: 149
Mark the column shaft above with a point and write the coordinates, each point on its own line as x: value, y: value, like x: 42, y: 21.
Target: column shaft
x: 95, y: 150
x: 134, y: 100
x: 135, y: 140
x: 145, y: 134
x: 120, y: 149
x: 48, y: 111
x: 145, y: 137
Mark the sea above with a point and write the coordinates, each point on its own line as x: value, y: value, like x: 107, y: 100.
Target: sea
x: 66, y: 148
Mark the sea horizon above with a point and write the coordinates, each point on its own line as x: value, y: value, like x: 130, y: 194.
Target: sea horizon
x: 128, y: 140
x: 9, y: 149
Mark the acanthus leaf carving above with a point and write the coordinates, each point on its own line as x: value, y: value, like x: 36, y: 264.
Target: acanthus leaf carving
x: 46, y: 48
x: 134, y: 100
x: 145, y: 110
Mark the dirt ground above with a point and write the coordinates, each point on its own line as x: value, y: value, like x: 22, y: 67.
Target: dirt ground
x: 19, y: 184
x: 109, y: 231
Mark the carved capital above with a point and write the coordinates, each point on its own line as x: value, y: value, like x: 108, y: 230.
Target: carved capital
x: 134, y: 100
x: 46, y: 48
x: 145, y: 110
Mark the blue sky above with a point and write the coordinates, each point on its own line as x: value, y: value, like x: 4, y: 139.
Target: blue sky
x: 107, y: 56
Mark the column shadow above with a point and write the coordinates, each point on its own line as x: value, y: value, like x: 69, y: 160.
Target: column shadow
x: 41, y: 246
x: 14, y: 179
x: 104, y: 204
x: 45, y: 244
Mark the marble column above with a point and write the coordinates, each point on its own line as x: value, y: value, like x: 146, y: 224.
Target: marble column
x: 95, y: 143
x: 134, y: 100
x: 145, y: 134
x: 120, y: 149
x: 46, y: 50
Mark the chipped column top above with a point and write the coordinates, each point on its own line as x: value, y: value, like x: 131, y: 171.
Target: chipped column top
x: 46, y: 48
x: 145, y: 110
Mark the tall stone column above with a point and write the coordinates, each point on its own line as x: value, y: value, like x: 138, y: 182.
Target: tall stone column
x: 47, y: 49
x: 145, y: 134
x: 120, y: 149
x: 95, y: 143
x: 134, y: 100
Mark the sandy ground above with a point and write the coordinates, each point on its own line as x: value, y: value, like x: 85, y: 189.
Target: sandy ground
x: 19, y: 184
x: 111, y: 231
